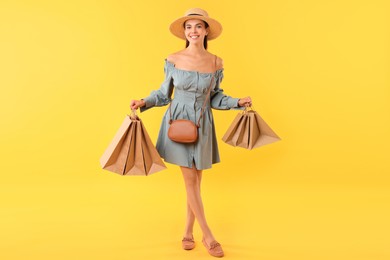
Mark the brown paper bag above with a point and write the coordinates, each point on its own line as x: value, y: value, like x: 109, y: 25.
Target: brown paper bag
x: 131, y: 152
x: 115, y: 156
x: 240, y: 131
x: 245, y: 133
x: 264, y: 134
x: 253, y: 129
x: 135, y: 163
x: 249, y: 130
x: 232, y: 134
x: 152, y: 159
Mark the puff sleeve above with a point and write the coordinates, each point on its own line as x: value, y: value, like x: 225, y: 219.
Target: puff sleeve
x: 218, y: 99
x: 162, y: 96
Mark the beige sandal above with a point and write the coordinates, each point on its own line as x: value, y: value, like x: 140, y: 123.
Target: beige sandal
x: 214, y: 249
x: 188, y: 243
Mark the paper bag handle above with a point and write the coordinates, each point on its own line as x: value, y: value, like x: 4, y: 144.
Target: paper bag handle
x: 248, y: 108
x: 133, y: 114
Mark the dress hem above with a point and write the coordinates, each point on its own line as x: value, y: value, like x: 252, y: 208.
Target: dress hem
x: 178, y: 164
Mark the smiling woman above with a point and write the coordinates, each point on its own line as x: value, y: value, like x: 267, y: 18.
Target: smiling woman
x: 194, y: 75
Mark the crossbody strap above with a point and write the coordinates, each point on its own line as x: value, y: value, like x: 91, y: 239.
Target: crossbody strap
x: 207, y: 97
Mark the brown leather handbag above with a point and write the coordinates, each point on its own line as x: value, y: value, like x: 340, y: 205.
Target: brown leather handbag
x: 183, y: 130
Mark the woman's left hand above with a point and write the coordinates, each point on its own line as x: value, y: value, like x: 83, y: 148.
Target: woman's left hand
x: 246, y: 101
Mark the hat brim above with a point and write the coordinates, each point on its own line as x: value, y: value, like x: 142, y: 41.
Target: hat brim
x: 177, y: 27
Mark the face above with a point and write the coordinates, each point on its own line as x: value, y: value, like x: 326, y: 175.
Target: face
x: 195, y: 30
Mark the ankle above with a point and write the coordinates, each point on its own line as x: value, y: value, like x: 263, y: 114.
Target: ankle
x: 188, y: 235
x: 208, y: 239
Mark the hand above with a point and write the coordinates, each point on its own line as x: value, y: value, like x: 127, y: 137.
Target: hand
x: 135, y: 104
x: 246, y: 101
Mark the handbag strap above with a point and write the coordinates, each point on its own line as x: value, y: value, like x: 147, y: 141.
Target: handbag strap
x: 205, y: 101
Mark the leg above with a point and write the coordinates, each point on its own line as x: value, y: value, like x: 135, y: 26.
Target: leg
x: 192, y: 180
x: 190, y: 215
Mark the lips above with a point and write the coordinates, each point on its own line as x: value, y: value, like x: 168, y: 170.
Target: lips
x: 194, y: 36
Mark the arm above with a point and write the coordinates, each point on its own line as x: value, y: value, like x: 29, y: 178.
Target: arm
x: 160, y: 97
x: 219, y: 100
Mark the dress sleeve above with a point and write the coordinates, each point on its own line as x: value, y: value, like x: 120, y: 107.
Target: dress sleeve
x: 162, y: 96
x: 218, y: 99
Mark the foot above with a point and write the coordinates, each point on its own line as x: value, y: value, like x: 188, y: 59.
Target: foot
x: 188, y: 243
x: 214, y: 248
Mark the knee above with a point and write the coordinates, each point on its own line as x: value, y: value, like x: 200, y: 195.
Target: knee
x: 190, y: 179
x: 192, y: 182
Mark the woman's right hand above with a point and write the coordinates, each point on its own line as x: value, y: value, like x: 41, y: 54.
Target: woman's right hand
x: 135, y: 104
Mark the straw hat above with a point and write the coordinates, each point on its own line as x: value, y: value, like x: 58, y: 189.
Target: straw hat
x: 177, y: 27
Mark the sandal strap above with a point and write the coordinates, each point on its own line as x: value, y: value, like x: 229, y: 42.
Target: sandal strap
x: 188, y: 239
x: 214, y: 244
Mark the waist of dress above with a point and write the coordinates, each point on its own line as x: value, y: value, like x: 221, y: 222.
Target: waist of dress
x: 188, y: 97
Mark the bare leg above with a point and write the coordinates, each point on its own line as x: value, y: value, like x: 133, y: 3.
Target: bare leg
x: 192, y: 182
x: 190, y: 215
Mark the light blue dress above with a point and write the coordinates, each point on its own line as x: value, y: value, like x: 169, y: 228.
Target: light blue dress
x: 190, y: 90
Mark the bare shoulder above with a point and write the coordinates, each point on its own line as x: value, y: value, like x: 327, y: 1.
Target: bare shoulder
x: 219, y: 62
x: 171, y: 58
x: 175, y: 57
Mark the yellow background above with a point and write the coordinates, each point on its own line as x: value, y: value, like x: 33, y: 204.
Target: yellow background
x: 317, y: 71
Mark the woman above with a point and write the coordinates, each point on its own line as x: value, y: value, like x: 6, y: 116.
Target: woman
x: 189, y: 73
